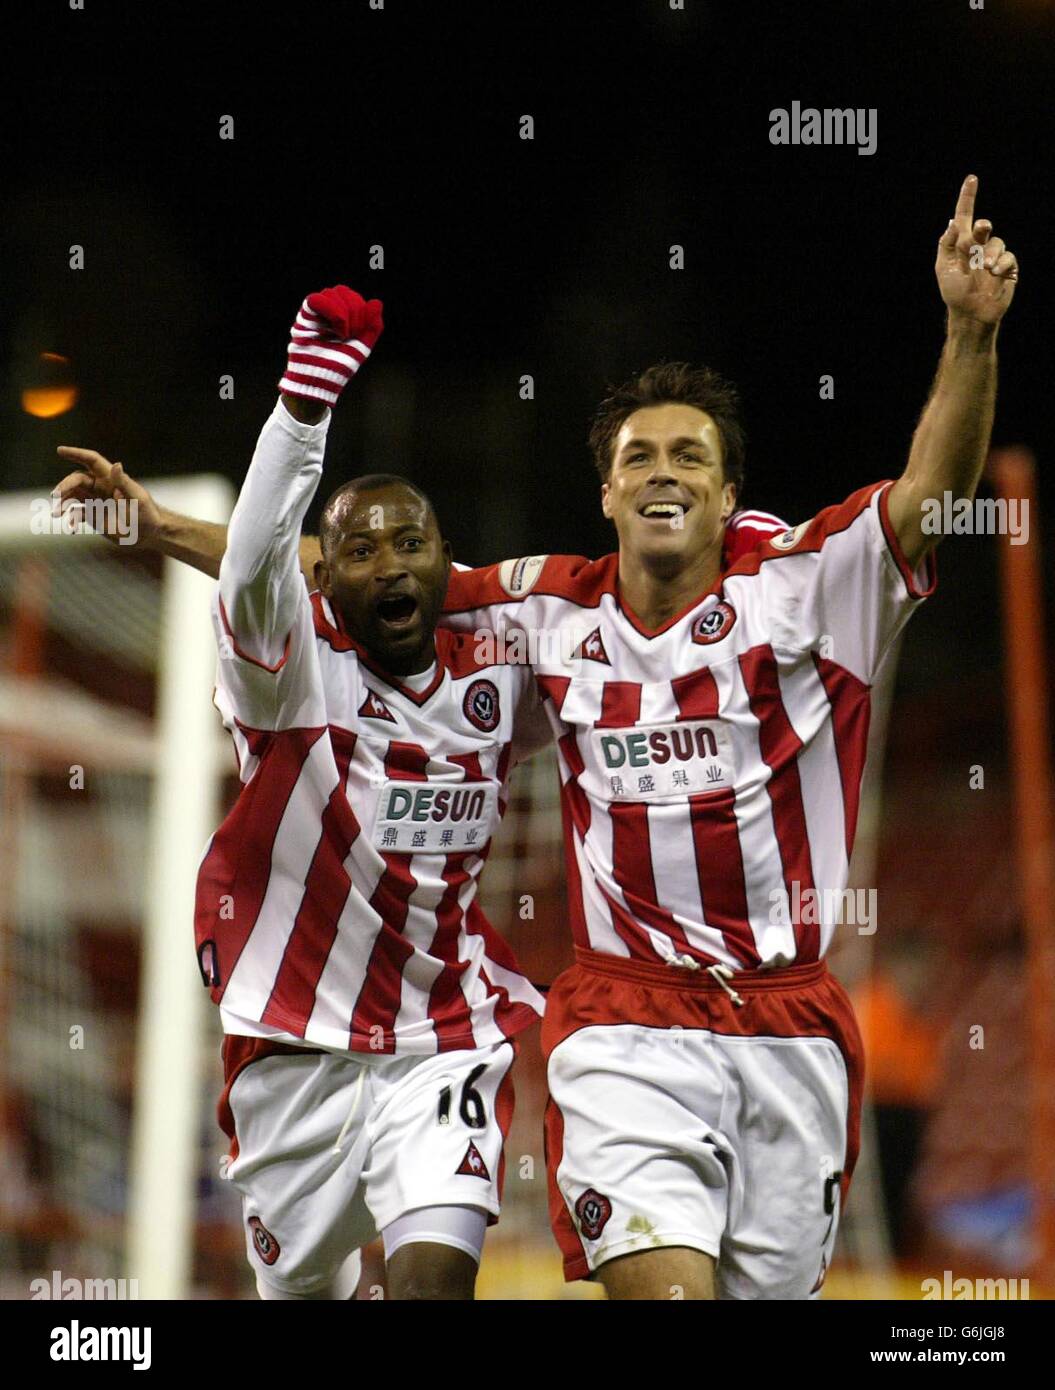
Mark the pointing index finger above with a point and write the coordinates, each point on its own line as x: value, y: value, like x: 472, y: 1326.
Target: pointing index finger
x: 965, y: 202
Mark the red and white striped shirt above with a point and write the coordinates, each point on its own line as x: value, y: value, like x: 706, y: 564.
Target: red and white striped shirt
x: 336, y: 904
x: 710, y: 770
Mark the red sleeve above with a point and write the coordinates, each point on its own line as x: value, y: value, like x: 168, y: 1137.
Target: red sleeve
x: 560, y: 576
x: 746, y: 531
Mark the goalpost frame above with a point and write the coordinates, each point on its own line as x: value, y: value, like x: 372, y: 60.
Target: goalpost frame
x: 185, y: 806
x: 1013, y: 471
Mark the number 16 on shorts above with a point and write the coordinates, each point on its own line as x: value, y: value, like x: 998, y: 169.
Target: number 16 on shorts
x: 472, y: 1112
x: 472, y: 1109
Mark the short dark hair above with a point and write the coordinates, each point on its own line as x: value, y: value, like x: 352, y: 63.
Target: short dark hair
x: 682, y: 384
x: 368, y: 482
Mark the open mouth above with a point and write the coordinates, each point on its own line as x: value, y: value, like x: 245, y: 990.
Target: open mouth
x: 398, y: 611
x: 663, y: 511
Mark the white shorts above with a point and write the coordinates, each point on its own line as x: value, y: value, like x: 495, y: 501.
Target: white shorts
x: 694, y: 1122
x: 329, y: 1150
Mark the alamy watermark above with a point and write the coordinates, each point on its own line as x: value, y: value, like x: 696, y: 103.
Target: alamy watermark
x: 949, y: 515
x: 115, y: 517
x: 949, y: 1288
x: 77, y: 1343
x: 801, y: 125
x: 70, y: 1288
x: 556, y: 646
x: 811, y: 907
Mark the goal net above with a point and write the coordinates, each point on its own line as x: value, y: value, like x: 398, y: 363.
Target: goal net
x: 111, y: 760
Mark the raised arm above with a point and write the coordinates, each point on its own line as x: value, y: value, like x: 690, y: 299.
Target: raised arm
x: 260, y: 584
x: 976, y: 277
x: 261, y: 591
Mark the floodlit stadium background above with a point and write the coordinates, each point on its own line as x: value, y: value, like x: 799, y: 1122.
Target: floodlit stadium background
x: 505, y: 258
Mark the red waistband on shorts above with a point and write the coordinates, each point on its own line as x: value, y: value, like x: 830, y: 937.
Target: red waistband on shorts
x: 682, y: 978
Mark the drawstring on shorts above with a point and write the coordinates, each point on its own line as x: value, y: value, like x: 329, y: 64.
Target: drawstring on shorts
x: 721, y: 973
x: 718, y: 973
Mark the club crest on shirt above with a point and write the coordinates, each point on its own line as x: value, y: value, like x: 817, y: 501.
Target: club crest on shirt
x: 713, y: 625
x: 373, y: 707
x: 473, y: 1165
x: 267, y: 1247
x: 481, y: 705
x: 787, y: 540
x: 593, y: 1210
x: 591, y: 648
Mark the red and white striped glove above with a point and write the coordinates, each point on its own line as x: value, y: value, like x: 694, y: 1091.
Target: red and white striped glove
x: 334, y: 333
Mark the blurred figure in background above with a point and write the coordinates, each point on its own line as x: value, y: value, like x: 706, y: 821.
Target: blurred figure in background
x: 902, y: 1050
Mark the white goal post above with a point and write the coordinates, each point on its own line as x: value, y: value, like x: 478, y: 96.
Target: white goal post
x: 180, y: 751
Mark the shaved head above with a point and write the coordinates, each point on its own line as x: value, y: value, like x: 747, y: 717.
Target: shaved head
x: 342, y: 502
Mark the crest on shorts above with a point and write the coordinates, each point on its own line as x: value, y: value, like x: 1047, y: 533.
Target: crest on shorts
x: 373, y: 707
x: 593, y: 1211
x: 481, y: 705
x: 267, y: 1247
x: 713, y: 625
x: 592, y: 649
x: 473, y: 1165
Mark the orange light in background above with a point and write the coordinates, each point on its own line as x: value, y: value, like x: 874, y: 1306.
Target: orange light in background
x: 53, y: 392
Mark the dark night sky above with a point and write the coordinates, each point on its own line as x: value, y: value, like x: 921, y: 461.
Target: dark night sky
x: 399, y: 127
